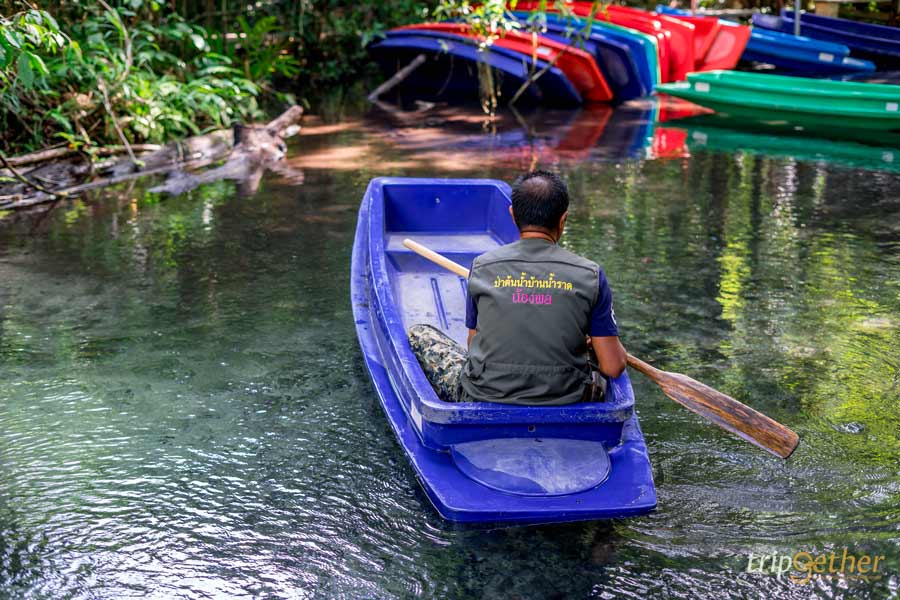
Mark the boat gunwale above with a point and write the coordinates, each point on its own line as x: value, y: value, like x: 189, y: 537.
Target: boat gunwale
x: 885, y: 47
x: 824, y: 26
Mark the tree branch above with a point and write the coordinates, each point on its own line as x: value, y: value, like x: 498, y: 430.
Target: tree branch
x: 28, y: 182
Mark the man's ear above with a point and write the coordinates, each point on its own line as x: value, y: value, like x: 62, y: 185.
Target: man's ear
x: 512, y: 216
x: 562, y: 222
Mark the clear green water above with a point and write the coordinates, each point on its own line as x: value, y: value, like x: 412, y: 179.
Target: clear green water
x: 184, y: 411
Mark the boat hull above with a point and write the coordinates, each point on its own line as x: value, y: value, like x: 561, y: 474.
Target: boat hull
x: 450, y: 72
x: 614, y: 59
x: 877, y: 43
x: 653, y: 55
x: 803, y: 56
x: 575, y: 63
x: 729, y: 40
x: 585, y: 461
x: 839, y: 104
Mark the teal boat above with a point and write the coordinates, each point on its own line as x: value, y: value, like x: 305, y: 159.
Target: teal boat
x: 842, y: 105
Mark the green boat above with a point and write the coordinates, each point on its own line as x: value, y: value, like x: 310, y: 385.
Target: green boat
x: 841, y: 105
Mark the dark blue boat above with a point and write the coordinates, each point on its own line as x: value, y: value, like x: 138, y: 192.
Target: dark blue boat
x: 451, y: 71
x: 877, y: 43
x: 618, y: 63
x: 802, y: 55
x: 797, y: 55
x: 479, y: 462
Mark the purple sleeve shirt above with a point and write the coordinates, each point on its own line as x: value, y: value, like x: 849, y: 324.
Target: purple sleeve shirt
x: 603, y: 319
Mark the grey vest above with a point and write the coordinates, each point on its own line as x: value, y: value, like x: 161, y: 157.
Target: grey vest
x: 534, y: 302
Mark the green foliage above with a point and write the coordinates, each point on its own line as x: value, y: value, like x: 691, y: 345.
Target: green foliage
x: 23, y: 38
x: 156, y: 79
x: 488, y: 19
x: 173, y: 67
x: 329, y: 37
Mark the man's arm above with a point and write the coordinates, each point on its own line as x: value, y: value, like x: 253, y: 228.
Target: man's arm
x: 610, y: 355
x: 605, y: 333
x: 471, y: 316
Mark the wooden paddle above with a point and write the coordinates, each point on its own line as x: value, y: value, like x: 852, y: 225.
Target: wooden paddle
x: 724, y: 411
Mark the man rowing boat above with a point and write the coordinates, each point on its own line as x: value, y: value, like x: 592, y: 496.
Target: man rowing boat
x: 529, y: 307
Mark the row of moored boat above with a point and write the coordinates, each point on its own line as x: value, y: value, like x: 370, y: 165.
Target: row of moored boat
x: 619, y: 53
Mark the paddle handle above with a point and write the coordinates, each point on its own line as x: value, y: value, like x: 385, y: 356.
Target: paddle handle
x: 436, y: 258
x: 636, y: 363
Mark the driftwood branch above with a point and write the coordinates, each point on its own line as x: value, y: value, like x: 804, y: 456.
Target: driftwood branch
x: 397, y: 77
x: 534, y: 76
x: 58, y: 153
x: 255, y: 148
x: 28, y: 182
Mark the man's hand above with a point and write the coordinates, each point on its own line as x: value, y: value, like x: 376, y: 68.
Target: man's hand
x: 611, y: 355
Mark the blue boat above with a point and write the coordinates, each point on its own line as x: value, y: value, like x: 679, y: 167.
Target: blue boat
x: 479, y: 462
x: 451, y: 71
x: 798, y: 55
x: 625, y: 70
x: 877, y: 43
x: 802, y: 55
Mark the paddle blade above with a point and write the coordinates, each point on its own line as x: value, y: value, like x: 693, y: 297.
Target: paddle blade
x: 724, y: 411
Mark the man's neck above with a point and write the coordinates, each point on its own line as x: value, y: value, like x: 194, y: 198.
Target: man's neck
x: 538, y: 234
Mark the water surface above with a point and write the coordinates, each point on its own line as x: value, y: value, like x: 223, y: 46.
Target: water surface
x: 184, y: 411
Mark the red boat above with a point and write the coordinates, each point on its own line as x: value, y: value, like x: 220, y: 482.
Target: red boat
x: 705, y: 31
x: 726, y: 49
x: 576, y: 64
x: 683, y: 38
x: 642, y: 24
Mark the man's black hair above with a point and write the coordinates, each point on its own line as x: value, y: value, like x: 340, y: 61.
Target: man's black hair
x: 539, y: 199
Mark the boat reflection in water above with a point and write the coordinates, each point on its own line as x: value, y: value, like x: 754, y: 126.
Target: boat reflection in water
x: 802, y: 140
x: 594, y: 132
x: 654, y: 128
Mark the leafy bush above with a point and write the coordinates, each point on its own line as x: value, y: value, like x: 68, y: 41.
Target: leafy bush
x: 103, y: 79
x: 87, y: 73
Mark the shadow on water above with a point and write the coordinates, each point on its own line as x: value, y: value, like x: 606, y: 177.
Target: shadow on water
x: 185, y: 412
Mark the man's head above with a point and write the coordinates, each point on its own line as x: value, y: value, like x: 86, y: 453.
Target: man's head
x: 540, y: 202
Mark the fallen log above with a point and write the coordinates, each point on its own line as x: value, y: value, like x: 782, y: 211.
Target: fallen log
x: 254, y: 149
x: 247, y: 150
